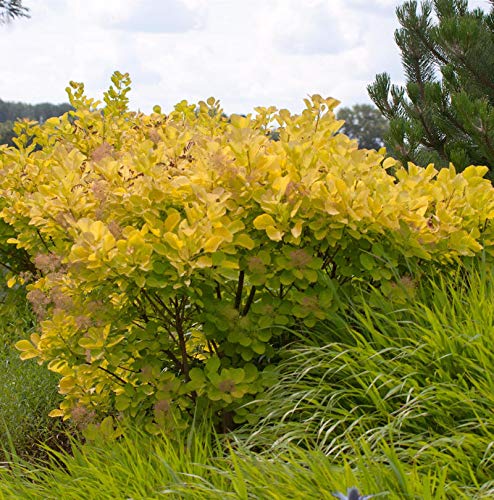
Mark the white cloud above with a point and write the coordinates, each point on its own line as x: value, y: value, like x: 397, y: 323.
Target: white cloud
x: 166, y: 16
x: 316, y: 28
x: 244, y: 52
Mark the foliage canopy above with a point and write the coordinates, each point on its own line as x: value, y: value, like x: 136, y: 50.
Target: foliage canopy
x: 173, y: 250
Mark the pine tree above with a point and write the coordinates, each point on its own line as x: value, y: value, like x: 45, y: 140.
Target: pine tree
x: 445, y: 111
x: 10, y: 9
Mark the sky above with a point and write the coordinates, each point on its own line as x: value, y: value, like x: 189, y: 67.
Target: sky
x: 246, y: 53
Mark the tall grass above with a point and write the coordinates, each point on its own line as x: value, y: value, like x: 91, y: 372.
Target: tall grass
x: 418, y: 378
x: 206, y: 466
x: 396, y: 399
x: 27, y: 391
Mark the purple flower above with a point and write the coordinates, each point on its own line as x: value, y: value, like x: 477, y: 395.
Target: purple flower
x: 352, y: 494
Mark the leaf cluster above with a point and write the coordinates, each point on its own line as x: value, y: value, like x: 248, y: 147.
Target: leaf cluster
x: 172, y: 251
x: 445, y: 112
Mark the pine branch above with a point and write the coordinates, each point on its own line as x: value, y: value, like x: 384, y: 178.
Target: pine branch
x: 10, y: 9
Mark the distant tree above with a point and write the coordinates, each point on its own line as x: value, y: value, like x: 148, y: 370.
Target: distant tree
x: 6, y: 133
x: 12, y: 111
x: 445, y: 112
x: 10, y: 9
x: 365, y: 123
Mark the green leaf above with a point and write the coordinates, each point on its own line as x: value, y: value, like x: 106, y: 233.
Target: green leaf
x: 367, y: 261
x: 213, y: 365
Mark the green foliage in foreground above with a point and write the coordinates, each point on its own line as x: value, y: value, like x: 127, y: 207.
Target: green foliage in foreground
x: 144, y: 467
x: 392, y: 400
x: 27, y: 390
x: 418, y: 378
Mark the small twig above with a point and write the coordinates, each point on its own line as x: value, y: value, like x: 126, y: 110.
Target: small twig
x: 174, y: 358
x: 162, y: 304
x: 42, y: 240
x: 179, y: 307
x: 250, y: 299
x: 238, y: 295
x: 6, y: 266
x: 120, y: 379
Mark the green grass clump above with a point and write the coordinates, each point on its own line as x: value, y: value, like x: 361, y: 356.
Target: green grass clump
x: 27, y: 391
x: 417, y: 378
x: 395, y: 399
x: 206, y: 466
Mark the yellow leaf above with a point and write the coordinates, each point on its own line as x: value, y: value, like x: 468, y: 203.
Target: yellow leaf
x: 244, y: 240
x: 172, y: 220
x: 108, y: 242
x: 295, y: 208
x: 52, y: 121
x: 140, y: 281
x: 173, y: 240
x: 212, y: 244
x: 281, y: 183
x: 239, y: 121
x: 204, y: 261
x: 84, y: 225
x: 154, y: 230
x: 297, y: 229
x: 90, y: 343
x: 160, y: 249
x: 66, y: 384
x: 122, y: 403
x: 230, y: 264
x: 115, y: 341
x: 274, y: 234
x: 78, y: 253
x: 263, y: 221
x: 28, y: 355
x: 136, y: 239
x: 11, y: 282
x: 57, y: 366
x: 106, y: 330
x: 225, y: 233
x: 236, y: 226
x: 24, y: 345
x: 56, y: 413
x: 389, y: 162
x: 106, y: 426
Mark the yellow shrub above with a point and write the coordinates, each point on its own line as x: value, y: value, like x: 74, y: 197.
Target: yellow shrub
x: 171, y: 248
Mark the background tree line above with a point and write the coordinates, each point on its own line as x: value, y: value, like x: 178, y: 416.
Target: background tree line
x: 12, y: 111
